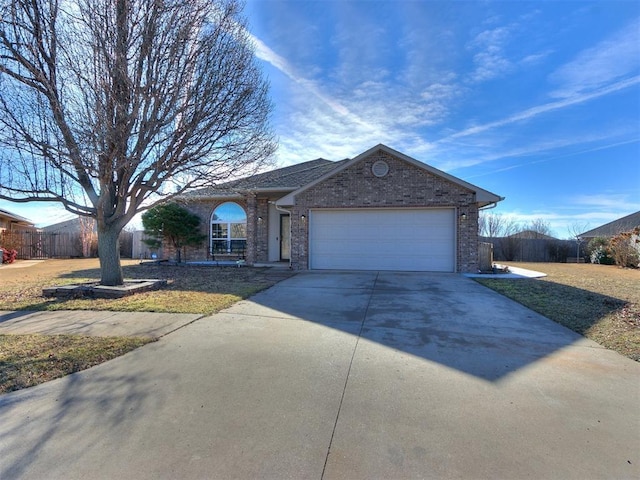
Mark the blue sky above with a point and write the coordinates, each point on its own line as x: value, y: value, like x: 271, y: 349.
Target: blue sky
x: 538, y: 102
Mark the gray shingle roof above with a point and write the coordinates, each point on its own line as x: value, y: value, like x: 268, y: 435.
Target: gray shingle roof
x: 611, y: 229
x: 286, y: 179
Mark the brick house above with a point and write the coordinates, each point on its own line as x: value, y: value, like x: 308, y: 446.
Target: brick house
x: 381, y: 210
x: 15, y: 223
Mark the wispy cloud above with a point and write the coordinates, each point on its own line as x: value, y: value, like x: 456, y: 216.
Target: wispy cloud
x: 608, y: 61
x: 545, y: 108
x: 537, y: 151
x: 490, y: 60
x: 263, y: 52
x: 608, y: 201
x: 327, y: 125
x: 583, y: 211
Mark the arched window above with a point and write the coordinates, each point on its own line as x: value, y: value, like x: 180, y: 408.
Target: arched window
x: 228, y: 229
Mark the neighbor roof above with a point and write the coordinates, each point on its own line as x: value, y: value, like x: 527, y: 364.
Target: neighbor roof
x: 69, y: 226
x: 286, y: 179
x: 624, y: 224
x: 531, y: 234
x: 15, y: 218
x: 483, y: 197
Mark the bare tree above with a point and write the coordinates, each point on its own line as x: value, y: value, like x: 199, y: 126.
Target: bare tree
x: 491, y: 224
x: 87, y: 235
x: 539, y: 228
x: 496, y: 225
x: 575, y: 230
x: 111, y: 106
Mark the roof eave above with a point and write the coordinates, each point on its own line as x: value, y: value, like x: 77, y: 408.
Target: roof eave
x: 16, y: 218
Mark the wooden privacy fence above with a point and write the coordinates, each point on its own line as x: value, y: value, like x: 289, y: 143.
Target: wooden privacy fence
x: 34, y: 245
x: 40, y: 245
x: 532, y: 249
x: 485, y: 256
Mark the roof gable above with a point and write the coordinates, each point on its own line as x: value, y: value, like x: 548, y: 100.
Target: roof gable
x: 531, y: 235
x: 483, y: 197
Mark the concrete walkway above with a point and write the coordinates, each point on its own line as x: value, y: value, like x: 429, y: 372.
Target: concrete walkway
x: 341, y: 376
x: 93, y: 323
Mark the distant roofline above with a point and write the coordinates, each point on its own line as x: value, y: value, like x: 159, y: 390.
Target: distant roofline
x: 609, y: 228
x: 16, y: 217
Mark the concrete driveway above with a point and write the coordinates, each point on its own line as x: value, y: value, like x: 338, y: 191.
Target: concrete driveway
x: 341, y: 375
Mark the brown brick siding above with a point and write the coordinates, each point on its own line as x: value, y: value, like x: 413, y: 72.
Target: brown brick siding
x: 204, y: 209
x: 405, y: 185
x: 257, y: 229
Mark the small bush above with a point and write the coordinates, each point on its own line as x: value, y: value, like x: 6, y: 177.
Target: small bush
x: 599, y: 251
x: 10, y: 240
x: 626, y: 248
x: 9, y: 256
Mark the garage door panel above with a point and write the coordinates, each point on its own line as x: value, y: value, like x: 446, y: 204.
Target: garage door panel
x: 383, y: 239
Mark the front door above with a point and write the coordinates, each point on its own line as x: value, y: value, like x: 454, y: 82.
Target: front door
x: 285, y: 237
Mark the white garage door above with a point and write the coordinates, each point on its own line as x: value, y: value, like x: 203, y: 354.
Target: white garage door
x: 383, y: 239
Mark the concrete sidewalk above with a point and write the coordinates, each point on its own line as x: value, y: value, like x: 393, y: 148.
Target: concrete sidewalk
x: 94, y: 323
x: 341, y: 375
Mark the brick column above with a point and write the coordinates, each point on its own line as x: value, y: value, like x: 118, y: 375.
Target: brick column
x: 252, y: 231
x: 262, y: 230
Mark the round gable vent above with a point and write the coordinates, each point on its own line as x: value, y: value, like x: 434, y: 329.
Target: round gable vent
x: 380, y: 168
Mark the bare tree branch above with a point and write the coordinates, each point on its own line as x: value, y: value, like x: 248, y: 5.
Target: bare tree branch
x: 104, y: 104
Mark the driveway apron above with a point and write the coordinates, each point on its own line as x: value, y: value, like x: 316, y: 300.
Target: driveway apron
x: 341, y: 375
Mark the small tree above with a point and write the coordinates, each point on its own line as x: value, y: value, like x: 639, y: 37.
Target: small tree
x: 576, y: 229
x: 539, y: 227
x: 173, y: 224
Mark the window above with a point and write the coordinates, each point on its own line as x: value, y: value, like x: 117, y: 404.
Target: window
x: 228, y: 229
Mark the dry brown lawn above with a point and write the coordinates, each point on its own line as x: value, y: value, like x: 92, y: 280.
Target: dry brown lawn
x: 190, y: 289
x: 601, y: 302
x: 27, y: 360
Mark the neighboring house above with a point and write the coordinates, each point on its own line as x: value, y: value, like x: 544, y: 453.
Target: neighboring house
x: 611, y: 229
x: 75, y: 226
x: 381, y: 210
x: 15, y: 223
x: 531, y: 235
x: 76, y: 237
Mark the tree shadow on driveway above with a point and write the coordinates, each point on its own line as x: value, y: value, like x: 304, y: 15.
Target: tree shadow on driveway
x: 443, y: 318
x: 96, y: 397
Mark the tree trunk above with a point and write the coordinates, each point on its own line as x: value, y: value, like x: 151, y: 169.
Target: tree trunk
x: 109, y: 253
